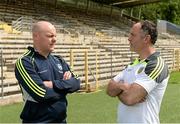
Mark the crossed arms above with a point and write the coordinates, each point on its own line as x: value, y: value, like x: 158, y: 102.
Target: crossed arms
x: 128, y: 94
x: 67, y: 75
x: 39, y: 89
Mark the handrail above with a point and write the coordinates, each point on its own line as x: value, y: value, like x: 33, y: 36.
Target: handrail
x: 112, y: 53
x: 20, y: 22
x: 86, y: 68
x: 17, y: 24
x: 2, y: 81
x: 92, y: 74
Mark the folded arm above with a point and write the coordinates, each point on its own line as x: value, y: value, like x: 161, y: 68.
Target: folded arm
x: 134, y: 94
x: 115, y: 88
x: 128, y: 94
x: 68, y: 84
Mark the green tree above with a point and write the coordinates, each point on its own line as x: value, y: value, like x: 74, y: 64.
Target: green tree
x: 167, y: 10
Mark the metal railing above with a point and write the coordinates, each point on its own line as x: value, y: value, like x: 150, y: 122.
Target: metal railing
x: 112, y: 53
x: 88, y: 71
x: 17, y: 25
x: 23, y: 23
x: 2, y: 75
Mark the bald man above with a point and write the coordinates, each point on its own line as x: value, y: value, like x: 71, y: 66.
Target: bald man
x: 141, y: 85
x: 45, y: 79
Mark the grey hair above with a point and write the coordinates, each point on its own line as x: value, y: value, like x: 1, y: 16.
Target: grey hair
x: 149, y: 28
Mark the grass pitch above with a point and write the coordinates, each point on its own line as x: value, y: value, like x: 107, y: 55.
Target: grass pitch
x: 99, y: 108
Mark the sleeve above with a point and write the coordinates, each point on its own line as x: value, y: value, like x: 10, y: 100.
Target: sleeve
x: 119, y: 77
x: 153, y: 74
x: 32, y: 83
x: 145, y: 81
x: 67, y: 86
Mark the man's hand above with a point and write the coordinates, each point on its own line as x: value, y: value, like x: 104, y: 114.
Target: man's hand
x: 113, y: 88
x: 67, y: 75
x: 142, y: 100
x: 134, y: 94
x: 48, y: 84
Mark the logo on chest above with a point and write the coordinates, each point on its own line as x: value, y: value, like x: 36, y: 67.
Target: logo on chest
x: 141, y: 69
x: 60, y: 68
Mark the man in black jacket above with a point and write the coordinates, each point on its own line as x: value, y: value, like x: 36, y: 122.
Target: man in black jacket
x: 44, y: 79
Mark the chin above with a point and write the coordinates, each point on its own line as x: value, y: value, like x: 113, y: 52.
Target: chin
x: 52, y: 49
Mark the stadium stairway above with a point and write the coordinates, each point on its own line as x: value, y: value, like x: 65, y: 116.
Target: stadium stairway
x: 108, y: 41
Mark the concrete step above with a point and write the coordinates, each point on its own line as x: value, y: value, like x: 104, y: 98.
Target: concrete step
x: 9, y: 82
x: 10, y: 99
x: 10, y: 90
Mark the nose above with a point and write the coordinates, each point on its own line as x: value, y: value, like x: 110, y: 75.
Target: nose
x: 129, y: 38
x: 54, y: 39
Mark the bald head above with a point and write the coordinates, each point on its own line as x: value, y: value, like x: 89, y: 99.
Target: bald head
x: 44, y: 37
x: 42, y: 26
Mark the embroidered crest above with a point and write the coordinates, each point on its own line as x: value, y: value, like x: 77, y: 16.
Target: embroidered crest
x: 140, y: 70
x: 59, y: 66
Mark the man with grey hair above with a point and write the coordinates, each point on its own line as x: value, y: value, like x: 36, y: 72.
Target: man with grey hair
x: 141, y: 85
x: 45, y: 79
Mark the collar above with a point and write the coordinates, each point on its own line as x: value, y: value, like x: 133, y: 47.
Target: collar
x: 36, y: 52
x: 152, y: 56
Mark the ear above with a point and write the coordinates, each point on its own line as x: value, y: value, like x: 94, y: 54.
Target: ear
x: 35, y: 35
x: 147, y: 39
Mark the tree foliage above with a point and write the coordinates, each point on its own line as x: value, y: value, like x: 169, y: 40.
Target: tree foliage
x: 168, y: 10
